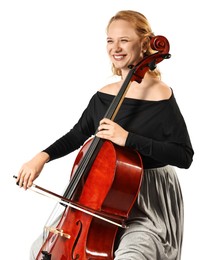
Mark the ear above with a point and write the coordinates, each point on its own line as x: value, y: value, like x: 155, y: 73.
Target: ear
x: 145, y: 44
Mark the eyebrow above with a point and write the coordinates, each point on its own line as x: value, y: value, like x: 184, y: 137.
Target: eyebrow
x: 108, y: 38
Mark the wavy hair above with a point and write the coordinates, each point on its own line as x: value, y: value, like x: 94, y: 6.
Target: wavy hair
x: 142, y: 29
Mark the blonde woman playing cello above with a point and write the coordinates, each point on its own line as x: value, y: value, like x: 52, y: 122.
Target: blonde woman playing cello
x: 150, y: 122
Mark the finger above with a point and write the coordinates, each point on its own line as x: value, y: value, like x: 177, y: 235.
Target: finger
x: 105, y: 121
x: 25, y: 180
x: 103, y: 127
x: 20, y: 181
x: 19, y: 176
x: 22, y: 178
x: 30, y: 181
x: 104, y: 134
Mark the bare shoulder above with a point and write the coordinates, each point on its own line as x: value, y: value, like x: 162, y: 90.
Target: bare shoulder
x: 161, y: 90
x: 150, y: 89
x: 153, y: 89
x: 111, y: 88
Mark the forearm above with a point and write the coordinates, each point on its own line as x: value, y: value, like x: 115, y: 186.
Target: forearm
x: 65, y: 145
x: 166, y: 152
x: 42, y: 157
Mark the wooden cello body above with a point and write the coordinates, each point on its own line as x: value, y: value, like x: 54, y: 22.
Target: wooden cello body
x: 118, y: 174
x: 106, y: 180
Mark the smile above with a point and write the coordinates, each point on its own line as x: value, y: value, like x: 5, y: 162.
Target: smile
x: 118, y: 57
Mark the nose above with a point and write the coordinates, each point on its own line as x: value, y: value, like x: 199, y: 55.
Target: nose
x: 117, y: 47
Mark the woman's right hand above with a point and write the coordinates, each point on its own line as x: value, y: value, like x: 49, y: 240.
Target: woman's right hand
x: 31, y: 170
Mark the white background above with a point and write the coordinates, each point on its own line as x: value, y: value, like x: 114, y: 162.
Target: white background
x: 52, y: 59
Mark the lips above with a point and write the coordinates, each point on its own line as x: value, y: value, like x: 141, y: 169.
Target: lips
x: 118, y: 57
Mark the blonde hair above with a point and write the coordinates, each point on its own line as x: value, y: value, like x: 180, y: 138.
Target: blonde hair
x: 143, y: 30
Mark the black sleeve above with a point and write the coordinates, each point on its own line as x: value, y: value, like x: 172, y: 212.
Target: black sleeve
x: 75, y: 138
x: 175, y: 154
x: 66, y: 144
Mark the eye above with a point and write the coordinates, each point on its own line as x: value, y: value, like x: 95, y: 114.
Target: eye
x: 109, y: 41
x: 124, y: 40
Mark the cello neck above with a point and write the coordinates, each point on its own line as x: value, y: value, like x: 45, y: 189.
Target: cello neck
x: 96, y: 143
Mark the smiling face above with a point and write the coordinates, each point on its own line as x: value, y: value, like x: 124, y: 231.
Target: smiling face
x: 124, y: 46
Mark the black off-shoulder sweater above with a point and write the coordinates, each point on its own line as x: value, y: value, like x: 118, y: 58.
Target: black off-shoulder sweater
x: 156, y: 129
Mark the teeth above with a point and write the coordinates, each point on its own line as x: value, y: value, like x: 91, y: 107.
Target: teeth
x: 118, y: 57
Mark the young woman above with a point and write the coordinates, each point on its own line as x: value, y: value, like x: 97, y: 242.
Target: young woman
x: 149, y: 121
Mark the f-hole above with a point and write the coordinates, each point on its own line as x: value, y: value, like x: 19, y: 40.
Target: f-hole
x: 76, y: 241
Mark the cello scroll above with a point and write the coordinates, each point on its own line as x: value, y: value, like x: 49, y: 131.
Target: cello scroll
x: 159, y: 44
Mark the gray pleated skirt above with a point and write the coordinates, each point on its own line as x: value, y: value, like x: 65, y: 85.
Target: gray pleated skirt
x: 155, y: 227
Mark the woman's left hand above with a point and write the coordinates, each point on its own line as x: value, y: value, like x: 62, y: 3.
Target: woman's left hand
x: 111, y: 131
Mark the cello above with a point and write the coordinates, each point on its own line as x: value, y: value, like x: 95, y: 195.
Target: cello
x: 105, y: 182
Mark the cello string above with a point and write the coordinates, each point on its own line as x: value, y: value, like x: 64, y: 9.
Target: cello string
x: 110, y: 113
x: 81, y: 168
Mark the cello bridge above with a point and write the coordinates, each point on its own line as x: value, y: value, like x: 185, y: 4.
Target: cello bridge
x: 57, y: 231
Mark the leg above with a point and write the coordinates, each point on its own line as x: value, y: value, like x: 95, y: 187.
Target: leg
x: 137, y: 246
x: 36, y: 247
